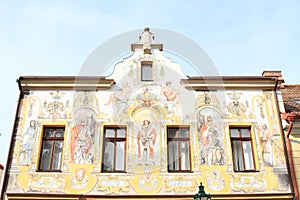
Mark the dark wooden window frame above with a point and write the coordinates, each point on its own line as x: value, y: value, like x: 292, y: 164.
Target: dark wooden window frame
x: 178, y: 140
x: 242, y: 139
x: 61, y: 139
x: 146, y: 63
x: 114, y: 140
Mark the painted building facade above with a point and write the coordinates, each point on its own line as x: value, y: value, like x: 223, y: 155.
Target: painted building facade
x: 147, y: 132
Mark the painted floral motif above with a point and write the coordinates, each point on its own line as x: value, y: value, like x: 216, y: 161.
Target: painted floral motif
x: 55, y: 109
x: 236, y: 107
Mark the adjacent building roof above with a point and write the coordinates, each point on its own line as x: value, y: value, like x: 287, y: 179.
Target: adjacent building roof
x: 291, y: 98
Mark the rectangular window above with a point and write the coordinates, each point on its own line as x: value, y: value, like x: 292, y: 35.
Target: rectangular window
x: 114, y: 149
x: 242, y: 150
x: 178, y: 149
x: 52, y: 146
x: 146, y: 71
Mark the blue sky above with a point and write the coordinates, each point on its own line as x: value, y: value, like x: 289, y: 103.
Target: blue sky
x: 55, y: 37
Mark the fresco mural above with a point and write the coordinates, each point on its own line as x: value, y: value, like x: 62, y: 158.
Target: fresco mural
x: 27, y: 144
x: 84, y: 129
x: 54, y: 107
x: 266, y: 140
x: 236, y: 108
x: 146, y: 108
x: 146, y: 139
x: 82, y: 137
x: 211, y: 137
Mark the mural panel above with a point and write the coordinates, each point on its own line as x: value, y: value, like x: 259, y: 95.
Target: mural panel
x: 84, y: 129
x: 210, y: 136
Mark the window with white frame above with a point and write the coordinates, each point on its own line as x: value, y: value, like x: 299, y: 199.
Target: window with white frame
x: 146, y: 71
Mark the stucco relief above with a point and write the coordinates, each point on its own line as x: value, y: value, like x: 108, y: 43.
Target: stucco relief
x: 180, y: 184
x: 113, y: 184
x: 80, y: 179
x: 46, y: 183
x: 246, y: 184
x: 215, y: 180
x: 147, y: 180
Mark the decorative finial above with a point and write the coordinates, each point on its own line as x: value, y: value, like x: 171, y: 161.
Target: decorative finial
x: 146, y: 42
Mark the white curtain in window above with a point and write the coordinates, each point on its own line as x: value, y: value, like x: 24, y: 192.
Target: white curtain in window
x: 238, y: 156
x: 185, y: 163
x: 173, y: 156
x: 120, y: 156
x: 248, y: 155
x: 108, y: 158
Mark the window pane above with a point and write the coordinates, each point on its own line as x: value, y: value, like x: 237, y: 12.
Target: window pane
x: 248, y: 155
x: 110, y: 133
x: 234, y: 132
x: 57, y: 154
x: 172, y: 133
x: 245, y: 132
x: 108, y: 159
x: 46, y: 155
x: 184, y: 156
x: 60, y: 132
x: 121, y: 133
x: 183, y: 133
x: 49, y: 132
x: 120, y: 161
x: 237, y: 156
x: 146, y: 72
x: 173, y: 161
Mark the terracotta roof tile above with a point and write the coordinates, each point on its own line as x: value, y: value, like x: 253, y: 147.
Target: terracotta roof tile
x: 291, y: 92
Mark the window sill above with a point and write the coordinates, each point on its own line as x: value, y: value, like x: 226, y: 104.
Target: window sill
x: 247, y: 171
x: 124, y: 172
x: 51, y: 171
x: 180, y: 172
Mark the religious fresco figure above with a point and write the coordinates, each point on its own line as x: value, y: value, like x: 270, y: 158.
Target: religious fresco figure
x: 120, y: 95
x: 210, y: 140
x: 170, y: 96
x: 266, y: 144
x: 168, y: 92
x: 146, y: 138
x: 27, y: 144
x: 82, y: 140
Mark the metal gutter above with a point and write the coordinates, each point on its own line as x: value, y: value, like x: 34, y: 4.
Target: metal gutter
x: 285, y: 143
x: 290, y: 118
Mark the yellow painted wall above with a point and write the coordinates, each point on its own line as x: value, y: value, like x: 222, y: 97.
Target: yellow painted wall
x: 295, y: 143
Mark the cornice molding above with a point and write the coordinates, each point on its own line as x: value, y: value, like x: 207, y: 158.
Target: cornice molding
x: 232, y: 82
x: 27, y: 83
